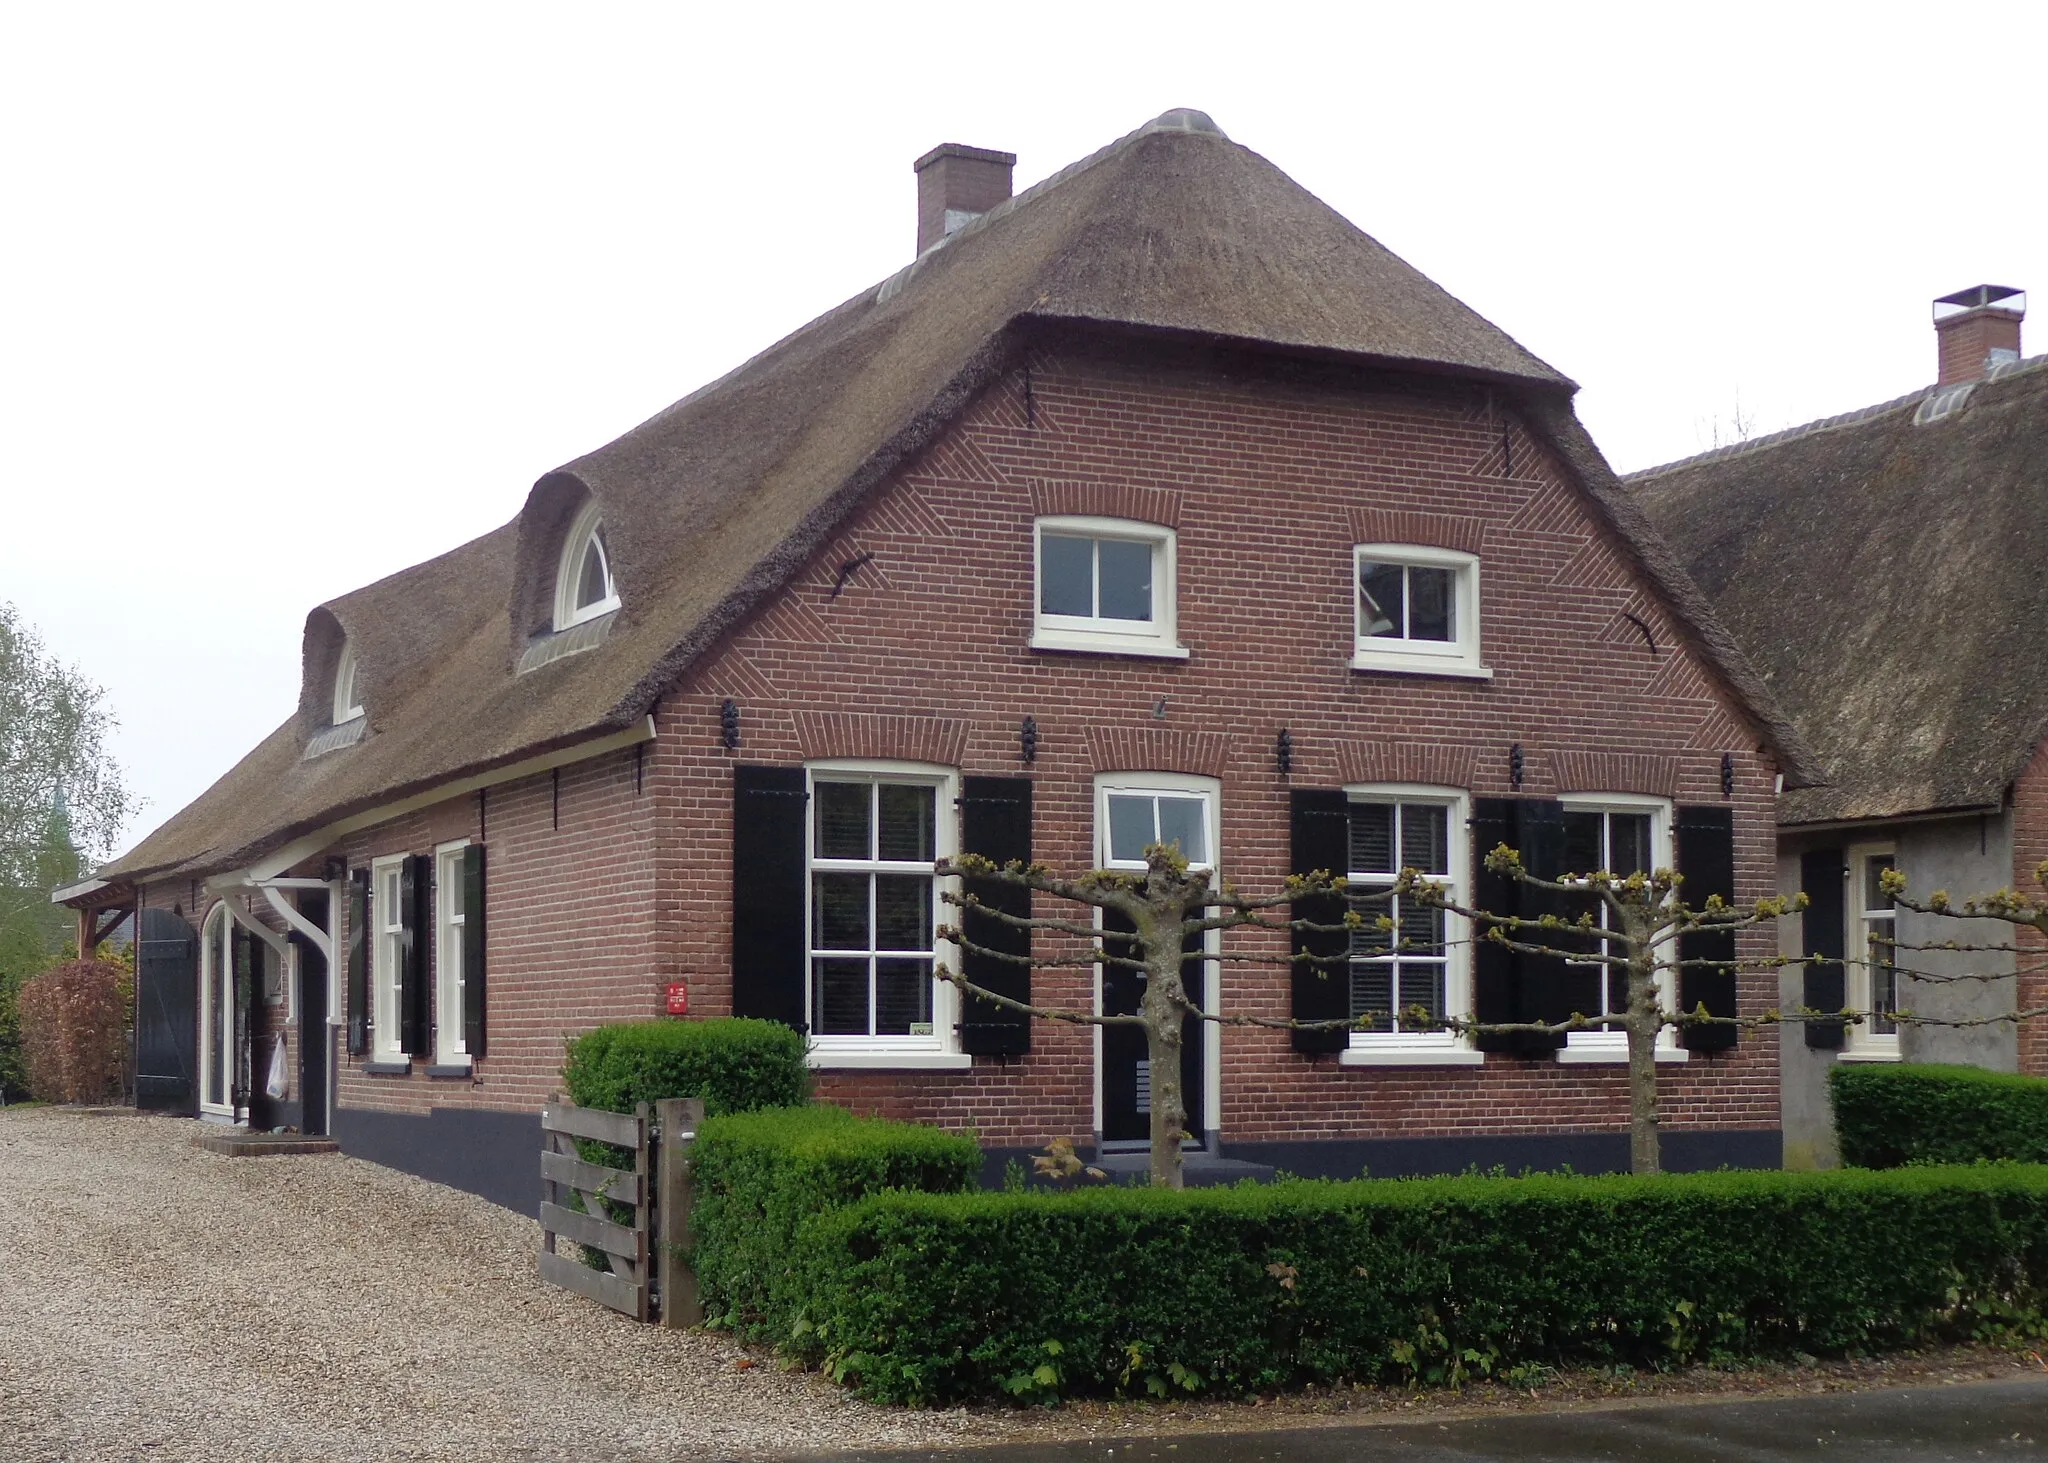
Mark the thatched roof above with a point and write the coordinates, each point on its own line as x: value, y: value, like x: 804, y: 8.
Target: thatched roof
x: 1889, y: 579
x: 711, y: 505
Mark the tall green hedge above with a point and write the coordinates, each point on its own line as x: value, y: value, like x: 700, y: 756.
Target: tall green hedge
x: 1888, y: 1114
x: 761, y: 1177
x: 734, y: 1064
x: 933, y: 1298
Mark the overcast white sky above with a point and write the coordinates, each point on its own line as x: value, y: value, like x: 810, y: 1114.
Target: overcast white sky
x: 293, y: 296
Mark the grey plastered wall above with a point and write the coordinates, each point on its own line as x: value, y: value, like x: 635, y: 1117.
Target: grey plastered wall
x: 1966, y: 856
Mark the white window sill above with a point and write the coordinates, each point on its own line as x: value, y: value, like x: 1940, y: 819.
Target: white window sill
x: 1107, y: 644
x: 1868, y: 1054
x: 1411, y: 1056
x: 1421, y: 665
x: 888, y: 1061
x: 1615, y: 1056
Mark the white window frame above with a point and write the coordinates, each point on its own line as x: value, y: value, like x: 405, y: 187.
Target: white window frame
x: 348, y: 701
x: 1159, y: 637
x: 1611, y: 1045
x: 941, y: 1049
x: 387, y: 958
x: 1210, y: 791
x: 216, y: 1043
x: 1864, y: 1044
x: 583, y: 530
x: 1401, y: 656
x: 451, y: 916
x: 1428, y: 1048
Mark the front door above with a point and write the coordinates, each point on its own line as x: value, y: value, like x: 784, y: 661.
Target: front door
x: 166, y: 1014
x: 1134, y: 810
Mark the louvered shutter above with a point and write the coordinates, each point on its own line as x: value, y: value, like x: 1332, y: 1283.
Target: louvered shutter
x: 1319, y: 837
x: 359, y: 962
x: 473, y: 950
x: 1545, y: 988
x: 768, y: 894
x: 1494, y: 966
x: 1706, y: 857
x: 416, y: 905
x: 995, y: 822
x: 1824, y: 876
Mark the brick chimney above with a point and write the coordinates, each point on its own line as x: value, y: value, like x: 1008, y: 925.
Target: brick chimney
x: 956, y: 185
x: 1976, y: 329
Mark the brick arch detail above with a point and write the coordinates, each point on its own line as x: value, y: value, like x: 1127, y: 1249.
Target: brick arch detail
x: 1431, y: 766
x: 1158, y: 749
x: 1428, y: 530
x: 934, y: 739
x: 1106, y: 500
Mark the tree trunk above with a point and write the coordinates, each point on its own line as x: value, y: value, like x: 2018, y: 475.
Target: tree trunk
x: 1644, y: 1024
x: 1165, y: 1029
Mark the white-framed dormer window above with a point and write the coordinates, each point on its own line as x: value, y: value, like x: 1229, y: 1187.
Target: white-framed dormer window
x: 875, y: 831
x: 387, y: 957
x: 1423, y: 964
x: 1873, y: 960
x: 1417, y: 610
x: 584, y: 586
x: 450, y: 920
x: 1618, y: 833
x: 1105, y: 584
x: 348, y: 697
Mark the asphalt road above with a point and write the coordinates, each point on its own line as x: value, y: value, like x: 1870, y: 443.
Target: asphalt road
x: 1982, y: 1420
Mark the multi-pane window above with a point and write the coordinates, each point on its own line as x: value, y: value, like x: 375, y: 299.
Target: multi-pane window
x: 873, y: 909
x: 1879, y: 919
x: 451, y: 917
x: 584, y: 587
x: 1417, y: 609
x: 1401, y: 976
x: 348, y: 700
x: 1140, y: 819
x: 387, y: 954
x: 1614, y: 841
x: 1104, y: 584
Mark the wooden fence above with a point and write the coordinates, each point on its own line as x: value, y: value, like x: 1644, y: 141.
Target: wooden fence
x: 645, y: 1274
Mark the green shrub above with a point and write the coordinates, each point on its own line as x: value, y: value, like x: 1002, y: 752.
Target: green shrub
x: 935, y: 1298
x: 1887, y: 1115
x: 761, y: 1176
x: 73, y: 1021
x: 734, y: 1064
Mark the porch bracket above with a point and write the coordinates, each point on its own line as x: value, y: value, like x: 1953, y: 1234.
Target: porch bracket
x: 320, y: 939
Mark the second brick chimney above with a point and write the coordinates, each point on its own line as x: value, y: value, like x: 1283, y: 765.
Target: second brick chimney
x: 956, y: 185
x: 1976, y: 329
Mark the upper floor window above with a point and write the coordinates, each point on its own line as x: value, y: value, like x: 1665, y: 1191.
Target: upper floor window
x: 1417, y: 610
x: 584, y: 587
x: 1105, y: 584
x: 348, y: 700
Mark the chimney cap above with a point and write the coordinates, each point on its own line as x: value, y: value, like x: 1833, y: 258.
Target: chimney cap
x: 962, y: 150
x: 1980, y: 297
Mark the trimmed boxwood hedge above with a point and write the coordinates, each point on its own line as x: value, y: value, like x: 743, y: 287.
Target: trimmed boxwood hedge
x: 761, y: 1177
x: 733, y: 1063
x: 934, y: 1298
x: 1887, y: 1115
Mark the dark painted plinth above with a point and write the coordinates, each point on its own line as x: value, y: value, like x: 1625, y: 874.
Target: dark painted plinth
x: 492, y: 1154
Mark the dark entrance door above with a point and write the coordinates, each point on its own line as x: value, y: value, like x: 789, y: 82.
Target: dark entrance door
x: 1126, y: 1070
x: 166, y: 1014
x: 315, y: 1036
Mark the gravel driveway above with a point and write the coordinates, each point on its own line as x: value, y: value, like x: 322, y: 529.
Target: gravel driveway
x: 157, y: 1302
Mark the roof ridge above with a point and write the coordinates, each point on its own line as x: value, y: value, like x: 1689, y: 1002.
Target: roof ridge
x: 1833, y: 423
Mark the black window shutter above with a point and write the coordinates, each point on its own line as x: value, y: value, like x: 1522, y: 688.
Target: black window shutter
x: 1545, y: 987
x: 768, y: 894
x: 1494, y: 966
x: 1319, y: 837
x: 473, y: 950
x: 995, y: 822
x: 243, y: 951
x: 359, y: 962
x: 1823, y: 876
x: 416, y: 904
x: 1706, y: 857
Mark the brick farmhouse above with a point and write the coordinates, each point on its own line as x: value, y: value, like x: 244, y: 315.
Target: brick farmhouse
x: 1156, y: 502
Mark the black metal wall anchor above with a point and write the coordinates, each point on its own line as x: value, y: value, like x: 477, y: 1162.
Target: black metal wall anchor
x: 1283, y: 751
x: 729, y: 724
x: 1727, y: 774
x: 1515, y: 766
x: 1027, y: 740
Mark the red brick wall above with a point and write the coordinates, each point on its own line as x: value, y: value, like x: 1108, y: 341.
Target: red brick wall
x: 2029, y: 852
x: 1266, y: 482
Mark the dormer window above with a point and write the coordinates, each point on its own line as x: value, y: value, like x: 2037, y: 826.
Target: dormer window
x: 348, y: 701
x: 584, y: 587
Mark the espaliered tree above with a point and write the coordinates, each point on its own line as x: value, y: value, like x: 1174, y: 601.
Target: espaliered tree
x: 1634, y: 926
x: 2005, y: 906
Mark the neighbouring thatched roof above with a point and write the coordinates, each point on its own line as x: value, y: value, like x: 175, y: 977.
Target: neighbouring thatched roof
x: 1887, y: 578
x: 712, y: 504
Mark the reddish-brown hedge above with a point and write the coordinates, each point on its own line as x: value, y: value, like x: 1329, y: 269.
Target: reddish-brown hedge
x: 74, y: 1032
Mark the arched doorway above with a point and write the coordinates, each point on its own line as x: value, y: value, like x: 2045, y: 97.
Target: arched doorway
x: 226, y: 990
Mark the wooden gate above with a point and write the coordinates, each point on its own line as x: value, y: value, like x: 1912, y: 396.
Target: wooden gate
x: 643, y: 1251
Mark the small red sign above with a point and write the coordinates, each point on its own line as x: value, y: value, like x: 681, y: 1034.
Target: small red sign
x: 678, y: 998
